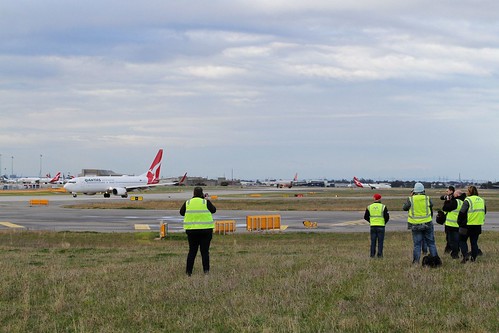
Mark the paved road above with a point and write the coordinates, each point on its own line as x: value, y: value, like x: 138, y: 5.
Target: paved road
x: 15, y: 213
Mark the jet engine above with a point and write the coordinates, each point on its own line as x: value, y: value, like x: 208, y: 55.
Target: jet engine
x: 120, y: 191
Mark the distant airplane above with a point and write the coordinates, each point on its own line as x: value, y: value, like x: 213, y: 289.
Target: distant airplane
x: 53, y: 180
x: 120, y: 185
x: 284, y: 183
x: 371, y: 186
x: 38, y: 180
x: 248, y: 183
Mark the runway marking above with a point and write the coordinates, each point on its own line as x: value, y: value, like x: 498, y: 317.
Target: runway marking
x: 142, y: 227
x: 356, y: 222
x: 11, y: 225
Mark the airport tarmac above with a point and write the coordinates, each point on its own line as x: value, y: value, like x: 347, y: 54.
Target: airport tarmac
x: 16, y: 214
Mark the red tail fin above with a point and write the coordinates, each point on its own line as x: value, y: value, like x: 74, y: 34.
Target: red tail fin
x: 56, y: 178
x: 153, y: 173
x: 357, y: 182
x: 183, y: 179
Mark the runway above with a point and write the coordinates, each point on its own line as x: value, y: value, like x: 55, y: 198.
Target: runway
x: 16, y: 214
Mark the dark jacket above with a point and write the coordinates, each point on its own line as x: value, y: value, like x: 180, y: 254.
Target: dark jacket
x: 462, y: 218
x: 210, y: 206
x: 386, y: 215
x: 450, y: 205
x: 407, y: 204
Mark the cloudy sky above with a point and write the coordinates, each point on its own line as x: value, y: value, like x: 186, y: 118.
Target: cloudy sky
x: 256, y: 89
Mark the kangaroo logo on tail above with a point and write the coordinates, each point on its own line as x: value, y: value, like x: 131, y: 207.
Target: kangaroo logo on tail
x: 357, y: 182
x: 154, y: 169
x: 56, y: 178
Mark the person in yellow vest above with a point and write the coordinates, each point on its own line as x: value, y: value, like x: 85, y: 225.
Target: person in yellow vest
x: 452, y: 206
x: 198, y: 225
x: 470, y: 220
x: 448, y: 197
x: 420, y: 214
x: 377, y: 215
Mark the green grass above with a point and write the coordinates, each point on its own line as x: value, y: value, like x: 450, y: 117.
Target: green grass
x: 297, y: 282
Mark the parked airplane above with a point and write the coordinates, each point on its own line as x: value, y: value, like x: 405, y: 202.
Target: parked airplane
x: 282, y: 183
x: 372, y: 186
x: 53, y: 180
x: 38, y: 180
x: 120, y: 185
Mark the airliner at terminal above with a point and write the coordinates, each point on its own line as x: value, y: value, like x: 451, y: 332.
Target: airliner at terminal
x: 119, y: 185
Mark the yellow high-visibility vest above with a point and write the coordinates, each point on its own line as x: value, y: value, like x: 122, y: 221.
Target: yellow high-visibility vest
x: 197, y: 215
x: 451, y: 219
x: 476, y: 210
x: 420, y: 211
x: 376, y: 218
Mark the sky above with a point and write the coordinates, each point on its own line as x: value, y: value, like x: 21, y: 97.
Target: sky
x: 381, y: 90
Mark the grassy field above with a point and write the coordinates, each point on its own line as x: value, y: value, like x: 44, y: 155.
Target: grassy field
x: 299, y: 282
x: 321, y: 200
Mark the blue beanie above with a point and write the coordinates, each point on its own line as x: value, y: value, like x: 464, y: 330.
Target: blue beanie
x: 418, y: 188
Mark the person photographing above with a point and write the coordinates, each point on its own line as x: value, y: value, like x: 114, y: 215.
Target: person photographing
x: 419, y: 208
x: 198, y: 225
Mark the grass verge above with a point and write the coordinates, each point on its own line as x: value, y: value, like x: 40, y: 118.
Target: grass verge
x: 299, y: 282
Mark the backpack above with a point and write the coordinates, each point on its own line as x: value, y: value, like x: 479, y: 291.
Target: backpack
x: 431, y: 261
x: 441, y: 217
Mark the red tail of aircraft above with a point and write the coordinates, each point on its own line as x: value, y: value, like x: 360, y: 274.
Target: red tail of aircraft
x: 56, y: 178
x: 153, y: 174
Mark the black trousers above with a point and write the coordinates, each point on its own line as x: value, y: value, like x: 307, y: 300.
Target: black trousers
x: 199, y: 239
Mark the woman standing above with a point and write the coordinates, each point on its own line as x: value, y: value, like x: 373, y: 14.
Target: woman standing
x: 471, y: 218
x: 198, y: 224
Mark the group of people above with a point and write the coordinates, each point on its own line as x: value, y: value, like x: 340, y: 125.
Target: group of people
x: 463, y: 215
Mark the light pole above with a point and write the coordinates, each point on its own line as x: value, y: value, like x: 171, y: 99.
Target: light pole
x: 1, y: 165
x: 40, y: 175
x: 12, y: 167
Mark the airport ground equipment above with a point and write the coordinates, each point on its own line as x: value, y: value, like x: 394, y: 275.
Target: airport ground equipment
x: 263, y: 222
x: 309, y: 224
x: 38, y: 202
x: 163, y: 230
x: 225, y: 227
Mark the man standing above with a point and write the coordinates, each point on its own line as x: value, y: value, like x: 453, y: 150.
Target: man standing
x: 198, y: 224
x: 470, y: 220
x: 377, y: 215
x: 420, y: 215
x: 452, y: 206
x: 449, y: 195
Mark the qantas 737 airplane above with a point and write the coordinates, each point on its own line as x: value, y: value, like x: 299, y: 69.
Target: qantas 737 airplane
x: 371, y: 186
x: 119, y: 185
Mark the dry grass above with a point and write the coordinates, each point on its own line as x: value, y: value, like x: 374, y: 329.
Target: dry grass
x: 325, y: 200
x: 317, y: 282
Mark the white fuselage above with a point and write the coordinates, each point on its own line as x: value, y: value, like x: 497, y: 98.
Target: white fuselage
x: 104, y: 184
